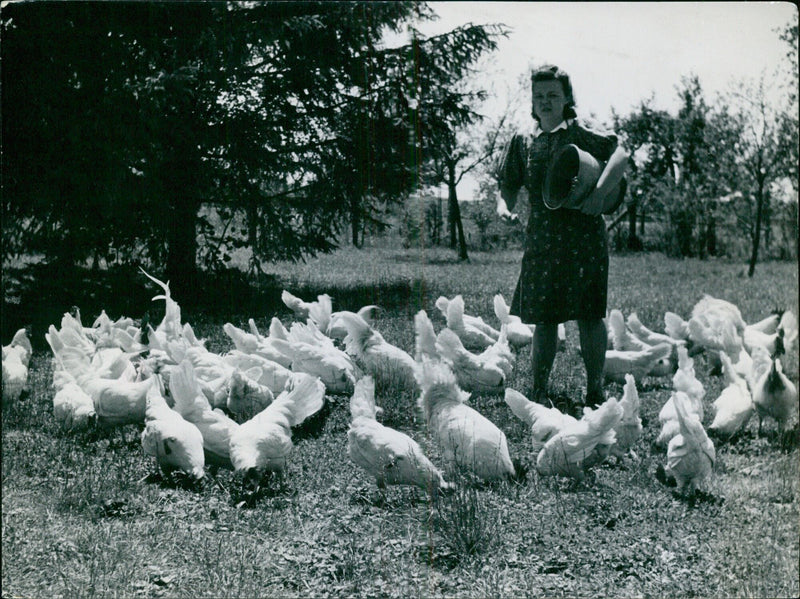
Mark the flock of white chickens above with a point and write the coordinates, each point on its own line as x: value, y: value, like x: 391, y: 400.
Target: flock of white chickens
x: 237, y: 410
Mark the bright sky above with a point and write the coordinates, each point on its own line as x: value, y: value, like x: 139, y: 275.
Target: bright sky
x: 620, y: 53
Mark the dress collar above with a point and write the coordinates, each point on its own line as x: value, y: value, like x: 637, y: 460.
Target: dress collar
x: 537, y: 130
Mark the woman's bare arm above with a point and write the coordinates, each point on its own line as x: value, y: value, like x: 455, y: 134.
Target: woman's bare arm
x: 612, y: 174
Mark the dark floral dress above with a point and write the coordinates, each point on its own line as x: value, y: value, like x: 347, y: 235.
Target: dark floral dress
x: 564, y: 274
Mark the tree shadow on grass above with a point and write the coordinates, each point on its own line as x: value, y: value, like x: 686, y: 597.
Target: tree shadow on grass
x: 38, y: 295
x: 399, y: 294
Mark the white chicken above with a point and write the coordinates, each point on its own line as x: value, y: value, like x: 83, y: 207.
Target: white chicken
x: 578, y: 447
x: 117, y: 401
x: 272, y: 375
x: 638, y: 363
x: 713, y: 344
x: 170, y: 328
x: 392, y: 457
x: 246, y: 397
x: 276, y: 329
x: 629, y: 428
x: 734, y: 406
x: 619, y: 335
x: 175, y: 443
x: 443, y: 304
x: 725, y: 309
x: 73, y: 408
x: 315, y: 354
x: 686, y: 380
x: 544, y: 422
x: 669, y: 417
x: 500, y: 354
x: 743, y: 364
x: 767, y: 325
x: 296, y: 305
x: 473, y: 332
x: 236, y: 380
x: 322, y: 315
x: 757, y: 366
x: 16, y: 357
x: 788, y: 325
x: 121, y: 333
x: 210, y: 370
x: 519, y: 334
x: 675, y: 326
x: 336, y: 329
x: 716, y: 325
x: 683, y: 380
x: 20, y: 346
x: 72, y: 361
x: 385, y: 362
x: 425, y: 338
x: 648, y: 336
x: 264, y: 443
x: 776, y: 340
x: 468, y: 439
x: 120, y: 402
x: 775, y: 395
x: 690, y: 454
x: 474, y: 372
x: 318, y: 312
x: 192, y: 404
x: 250, y: 343
x: 75, y: 334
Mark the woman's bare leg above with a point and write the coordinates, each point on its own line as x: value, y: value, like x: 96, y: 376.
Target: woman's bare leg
x: 545, y: 338
x: 594, y: 340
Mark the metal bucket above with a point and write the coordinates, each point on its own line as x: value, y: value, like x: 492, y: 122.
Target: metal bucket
x: 571, y: 176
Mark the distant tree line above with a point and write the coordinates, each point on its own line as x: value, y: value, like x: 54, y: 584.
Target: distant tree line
x: 714, y: 175
x: 134, y: 129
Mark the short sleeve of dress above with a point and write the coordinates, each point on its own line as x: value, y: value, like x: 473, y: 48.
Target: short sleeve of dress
x: 599, y: 145
x: 511, y: 174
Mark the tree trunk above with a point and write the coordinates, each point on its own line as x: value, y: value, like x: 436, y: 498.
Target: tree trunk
x: 451, y: 217
x: 455, y: 213
x: 634, y: 243
x: 437, y: 224
x: 767, y: 219
x: 181, y: 269
x: 757, y: 232
x: 252, y: 238
x: 179, y: 184
x: 641, y: 223
x: 355, y: 220
x: 712, y: 236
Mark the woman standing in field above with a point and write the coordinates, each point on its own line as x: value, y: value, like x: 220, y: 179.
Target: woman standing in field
x: 564, y: 274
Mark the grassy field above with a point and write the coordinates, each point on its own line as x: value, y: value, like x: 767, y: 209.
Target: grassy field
x: 84, y: 516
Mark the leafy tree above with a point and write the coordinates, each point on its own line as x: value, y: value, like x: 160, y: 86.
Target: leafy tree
x: 70, y: 184
x: 763, y: 149
x: 789, y: 117
x: 649, y: 136
x: 384, y: 137
x: 675, y: 170
x: 448, y: 111
x: 286, y: 118
x: 789, y: 35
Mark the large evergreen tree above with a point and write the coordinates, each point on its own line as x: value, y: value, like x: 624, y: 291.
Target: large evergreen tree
x: 120, y: 120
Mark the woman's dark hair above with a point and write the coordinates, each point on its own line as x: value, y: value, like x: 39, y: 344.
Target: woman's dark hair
x: 553, y: 73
